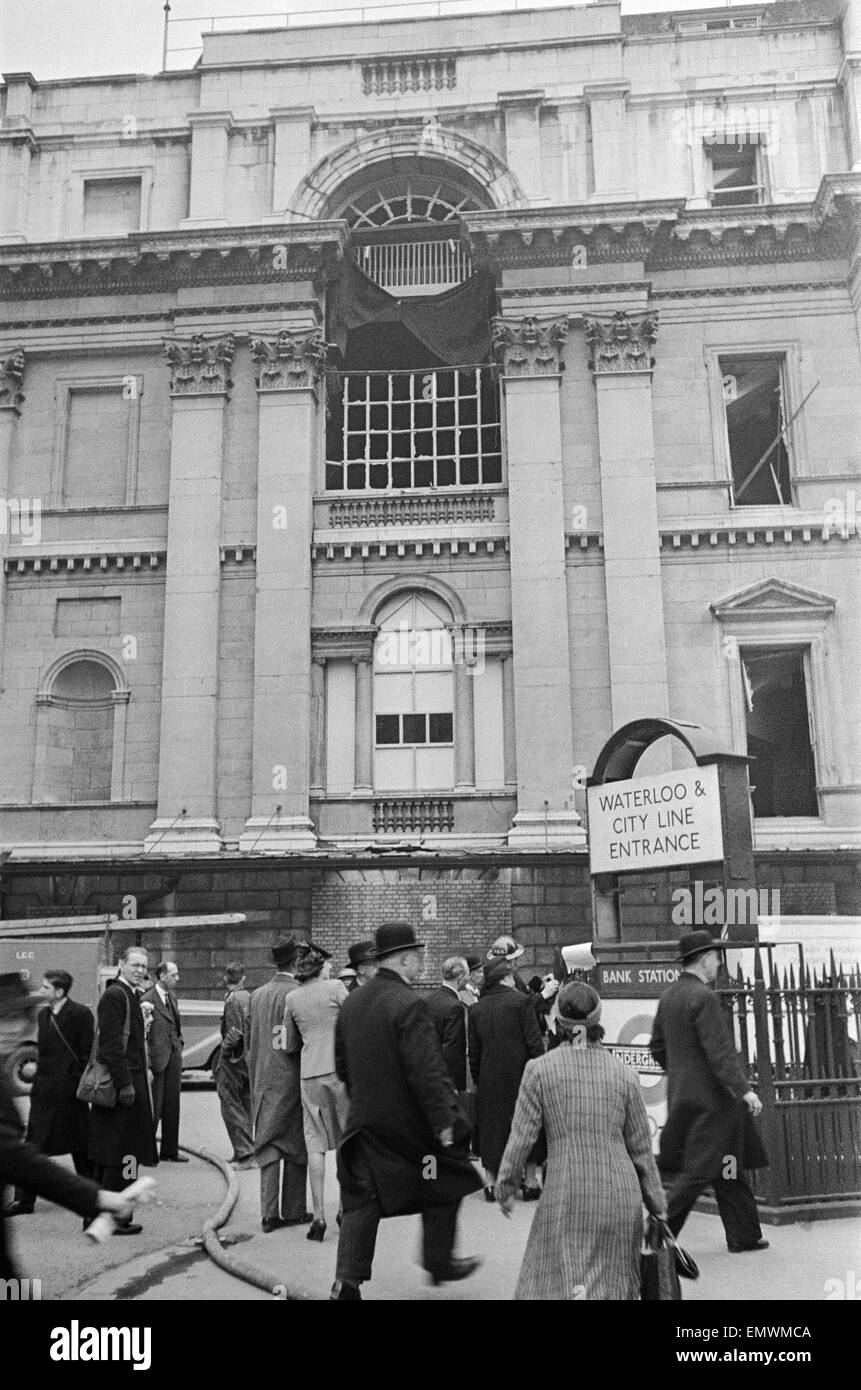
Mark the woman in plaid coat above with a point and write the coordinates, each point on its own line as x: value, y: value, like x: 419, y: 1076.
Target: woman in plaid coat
x: 587, y: 1234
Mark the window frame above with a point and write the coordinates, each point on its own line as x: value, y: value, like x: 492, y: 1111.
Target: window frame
x: 758, y: 145
x: 81, y: 175
x: 792, y: 385
x: 64, y: 388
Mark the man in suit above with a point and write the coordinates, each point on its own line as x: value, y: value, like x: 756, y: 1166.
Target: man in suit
x: 398, y: 1154
x: 123, y: 1138
x: 449, y: 1018
x: 709, y: 1138
x: 165, y: 1044
x: 276, y: 1098
x: 362, y: 965
x: 232, y: 1081
x: 58, y: 1122
x: 21, y: 1162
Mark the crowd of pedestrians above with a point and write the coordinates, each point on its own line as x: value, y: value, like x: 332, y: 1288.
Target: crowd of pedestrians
x: 424, y: 1096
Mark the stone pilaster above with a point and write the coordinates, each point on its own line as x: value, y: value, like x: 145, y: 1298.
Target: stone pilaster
x: 289, y: 368
x: 611, y: 176
x: 200, y: 383
x: 363, y: 778
x: 17, y: 145
x: 11, y: 399
x: 292, y: 153
x: 529, y: 351
x: 522, y: 113
x: 850, y: 80
x: 622, y: 368
x: 210, y: 135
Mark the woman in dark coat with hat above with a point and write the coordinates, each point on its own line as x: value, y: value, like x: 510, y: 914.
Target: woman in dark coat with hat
x: 709, y: 1138
x: 503, y: 1035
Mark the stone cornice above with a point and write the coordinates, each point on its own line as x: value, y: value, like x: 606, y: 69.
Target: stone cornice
x: 96, y: 559
x: 11, y: 379
x: 152, y: 261
x: 402, y: 547
x: 343, y: 643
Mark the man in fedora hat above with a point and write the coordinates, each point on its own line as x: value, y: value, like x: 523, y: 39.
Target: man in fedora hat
x: 21, y: 1163
x: 276, y: 1098
x: 362, y: 965
x: 398, y: 1154
x: 709, y: 1138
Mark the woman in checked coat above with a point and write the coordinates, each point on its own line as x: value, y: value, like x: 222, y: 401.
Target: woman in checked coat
x: 587, y: 1234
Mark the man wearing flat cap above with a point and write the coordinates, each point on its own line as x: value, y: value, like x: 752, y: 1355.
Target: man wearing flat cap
x: 276, y: 1098
x: 709, y: 1138
x: 400, y: 1153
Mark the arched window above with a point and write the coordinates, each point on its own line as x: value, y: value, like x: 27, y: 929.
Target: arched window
x: 80, y: 734
x: 413, y: 695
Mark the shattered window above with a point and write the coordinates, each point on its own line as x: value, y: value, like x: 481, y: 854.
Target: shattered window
x: 783, y: 773
x: 756, y: 430
x: 735, y: 175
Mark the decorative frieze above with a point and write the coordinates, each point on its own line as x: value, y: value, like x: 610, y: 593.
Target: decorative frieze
x: 401, y: 549
x: 529, y: 346
x: 11, y: 380
x: 87, y: 563
x: 289, y: 361
x: 411, y: 511
x: 200, y: 367
x: 623, y: 344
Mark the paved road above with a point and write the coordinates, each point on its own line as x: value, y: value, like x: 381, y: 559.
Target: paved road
x: 165, y: 1262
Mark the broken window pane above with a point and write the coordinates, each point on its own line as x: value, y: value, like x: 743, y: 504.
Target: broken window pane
x: 735, y: 176
x: 755, y: 419
x: 783, y: 774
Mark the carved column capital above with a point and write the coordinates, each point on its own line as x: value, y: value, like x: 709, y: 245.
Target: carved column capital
x: 289, y: 361
x: 622, y: 344
x: 529, y: 346
x: 11, y: 380
x: 200, y: 367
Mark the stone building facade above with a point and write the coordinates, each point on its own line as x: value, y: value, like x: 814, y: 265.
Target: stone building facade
x: 320, y: 592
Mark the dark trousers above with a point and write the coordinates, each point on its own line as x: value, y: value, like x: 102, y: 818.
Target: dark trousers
x: 83, y: 1167
x: 234, y: 1095
x: 283, y: 1193
x: 166, y: 1086
x: 735, y: 1201
x: 358, y: 1235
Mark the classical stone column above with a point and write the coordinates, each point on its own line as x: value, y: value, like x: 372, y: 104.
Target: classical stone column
x: 364, y: 722
x: 464, y: 721
x: 509, y: 749
x: 289, y: 368
x: 207, y: 202
x: 318, y: 724
x: 850, y: 80
x: 529, y: 351
x: 622, y: 367
x: 186, y: 821
x: 11, y: 400
x: 611, y: 177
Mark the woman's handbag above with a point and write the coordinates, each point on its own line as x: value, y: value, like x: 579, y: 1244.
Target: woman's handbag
x: 97, y: 1086
x: 659, y: 1275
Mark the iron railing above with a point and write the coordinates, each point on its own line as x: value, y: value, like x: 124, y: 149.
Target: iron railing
x: 416, y: 267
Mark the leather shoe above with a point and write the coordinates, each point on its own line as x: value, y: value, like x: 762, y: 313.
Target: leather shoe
x: 299, y: 1220
x: 344, y: 1292
x: 272, y: 1223
x: 316, y: 1231
x: 131, y: 1228
x: 17, y: 1209
x: 172, y: 1158
x: 455, y: 1270
x: 750, y: 1245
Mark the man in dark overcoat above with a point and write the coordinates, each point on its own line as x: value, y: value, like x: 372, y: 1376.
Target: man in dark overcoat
x: 164, y: 1046
x: 276, y: 1098
x: 122, y: 1139
x: 449, y: 1018
x: 231, y: 1080
x: 20, y: 1162
x: 58, y: 1122
x: 709, y: 1138
x: 401, y: 1152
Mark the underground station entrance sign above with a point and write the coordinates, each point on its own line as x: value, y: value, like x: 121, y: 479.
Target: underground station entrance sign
x: 655, y: 822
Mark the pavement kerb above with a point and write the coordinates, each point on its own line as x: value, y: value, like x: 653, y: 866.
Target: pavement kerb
x: 260, y: 1279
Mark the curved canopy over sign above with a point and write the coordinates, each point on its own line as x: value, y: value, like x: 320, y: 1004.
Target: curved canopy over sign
x: 624, y: 749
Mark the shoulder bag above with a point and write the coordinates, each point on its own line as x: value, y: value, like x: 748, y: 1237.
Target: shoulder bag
x: 97, y: 1086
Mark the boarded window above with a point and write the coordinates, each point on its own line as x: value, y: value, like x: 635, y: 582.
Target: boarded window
x: 755, y: 421
x: 735, y: 175
x: 783, y: 775
x: 96, y: 446
x: 112, y: 207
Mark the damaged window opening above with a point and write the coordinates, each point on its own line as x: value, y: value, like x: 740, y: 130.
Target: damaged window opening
x: 756, y: 429
x: 783, y: 774
x: 736, y: 178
